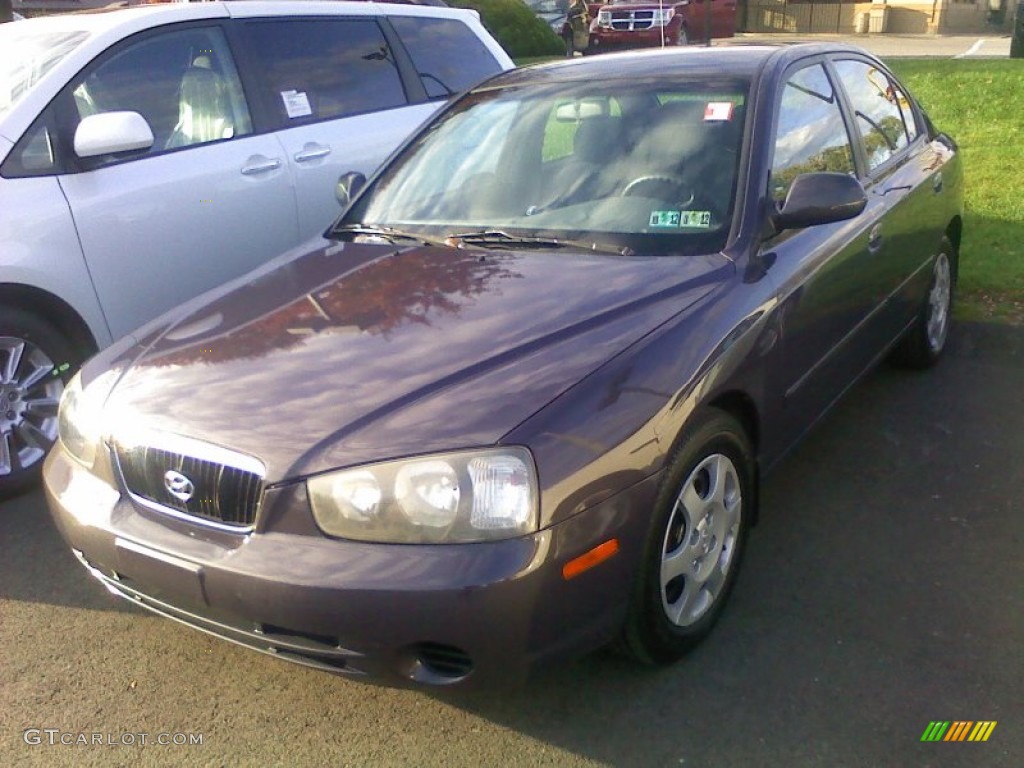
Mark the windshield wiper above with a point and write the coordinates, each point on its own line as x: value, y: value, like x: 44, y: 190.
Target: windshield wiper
x: 495, y: 238
x: 390, y: 234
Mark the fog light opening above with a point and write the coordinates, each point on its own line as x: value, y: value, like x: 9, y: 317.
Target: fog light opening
x: 439, y: 663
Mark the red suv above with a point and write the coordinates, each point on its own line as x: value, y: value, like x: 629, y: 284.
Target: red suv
x: 638, y: 24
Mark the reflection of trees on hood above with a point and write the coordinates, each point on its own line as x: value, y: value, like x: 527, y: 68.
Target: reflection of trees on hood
x: 410, y: 287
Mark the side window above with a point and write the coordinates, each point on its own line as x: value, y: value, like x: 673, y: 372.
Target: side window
x: 34, y: 155
x: 811, y: 135
x: 184, y: 84
x: 447, y: 54
x: 323, y: 69
x: 876, y: 104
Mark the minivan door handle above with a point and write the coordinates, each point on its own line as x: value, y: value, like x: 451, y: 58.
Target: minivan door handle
x: 260, y: 164
x: 937, y: 182
x: 312, y: 152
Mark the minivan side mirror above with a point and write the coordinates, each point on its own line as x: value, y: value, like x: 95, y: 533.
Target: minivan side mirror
x: 108, y: 133
x: 820, y: 198
x: 348, y: 187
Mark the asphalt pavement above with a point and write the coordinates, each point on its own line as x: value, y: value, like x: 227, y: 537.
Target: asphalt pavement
x: 883, y: 590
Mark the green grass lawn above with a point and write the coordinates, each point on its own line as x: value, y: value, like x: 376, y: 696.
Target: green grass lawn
x: 980, y: 103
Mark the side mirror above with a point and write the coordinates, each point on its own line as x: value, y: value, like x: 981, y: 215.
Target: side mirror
x: 108, y: 133
x: 348, y: 187
x: 820, y: 198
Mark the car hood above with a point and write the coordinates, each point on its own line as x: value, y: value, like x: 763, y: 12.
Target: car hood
x: 353, y: 353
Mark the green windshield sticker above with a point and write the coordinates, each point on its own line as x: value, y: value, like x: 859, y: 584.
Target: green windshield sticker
x: 677, y: 219
x: 695, y: 219
x: 665, y: 218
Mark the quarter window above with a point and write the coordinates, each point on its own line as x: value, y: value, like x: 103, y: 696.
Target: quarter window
x: 324, y: 69
x: 881, y: 109
x: 184, y: 84
x: 811, y: 134
x: 448, y: 56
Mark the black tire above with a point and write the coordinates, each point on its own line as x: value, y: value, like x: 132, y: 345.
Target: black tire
x: 716, y: 463
x: 925, y: 342
x: 36, y: 361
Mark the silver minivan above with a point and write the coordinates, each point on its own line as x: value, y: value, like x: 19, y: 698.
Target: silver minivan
x: 150, y: 154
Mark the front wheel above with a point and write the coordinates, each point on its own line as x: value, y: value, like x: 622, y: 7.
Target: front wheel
x: 35, y: 361
x: 695, y: 541
x: 925, y: 342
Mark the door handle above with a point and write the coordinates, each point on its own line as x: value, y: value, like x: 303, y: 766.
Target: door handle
x: 937, y: 182
x: 311, y: 152
x: 260, y: 165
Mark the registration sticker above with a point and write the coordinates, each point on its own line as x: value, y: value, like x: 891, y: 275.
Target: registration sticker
x: 718, y: 111
x: 664, y: 219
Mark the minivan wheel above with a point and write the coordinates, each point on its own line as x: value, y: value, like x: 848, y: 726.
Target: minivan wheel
x: 925, y: 342
x: 682, y: 38
x: 695, y: 541
x: 35, y: 362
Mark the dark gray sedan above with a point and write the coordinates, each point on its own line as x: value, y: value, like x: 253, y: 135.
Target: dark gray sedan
x: 517, y: 403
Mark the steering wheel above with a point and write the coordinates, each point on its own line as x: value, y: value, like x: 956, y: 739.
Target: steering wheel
x: 660, y: 187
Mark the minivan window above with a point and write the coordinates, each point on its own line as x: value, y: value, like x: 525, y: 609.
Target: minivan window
x: 184, y: 84
x: 28, y: 56
x: 447, y: 55
x: 321, y: 69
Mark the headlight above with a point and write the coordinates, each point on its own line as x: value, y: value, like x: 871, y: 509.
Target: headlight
x: 79, y: 419
x: 454, y: 497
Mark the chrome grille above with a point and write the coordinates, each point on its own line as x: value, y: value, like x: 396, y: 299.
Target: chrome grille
x: 632, y: 20
x: 226, y: 488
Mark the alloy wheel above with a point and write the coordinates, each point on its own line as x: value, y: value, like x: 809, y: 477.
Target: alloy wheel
x: 30, y: 392
x: 700, y: 540
x: 938, y: 303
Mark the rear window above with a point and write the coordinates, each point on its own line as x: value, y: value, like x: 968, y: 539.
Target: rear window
x: 447, y: 54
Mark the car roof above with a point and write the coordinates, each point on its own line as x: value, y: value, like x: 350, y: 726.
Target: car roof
x: 722, y: 61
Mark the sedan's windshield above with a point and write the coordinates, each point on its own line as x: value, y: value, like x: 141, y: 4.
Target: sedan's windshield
x: 641, y: 164
x: 28, y: 54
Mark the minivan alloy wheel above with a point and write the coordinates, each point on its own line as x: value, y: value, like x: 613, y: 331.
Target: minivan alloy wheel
x: 29, y: 395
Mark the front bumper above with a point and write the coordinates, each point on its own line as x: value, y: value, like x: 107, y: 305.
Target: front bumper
x: 459, y: 614
x: 610, y: 39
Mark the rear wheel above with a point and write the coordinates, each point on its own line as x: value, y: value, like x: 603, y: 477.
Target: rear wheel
x: 925, y: 342
x: 695, y: 542
x: 35, y: 361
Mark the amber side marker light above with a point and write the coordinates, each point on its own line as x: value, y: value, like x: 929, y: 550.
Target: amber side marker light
x: 588, y: 560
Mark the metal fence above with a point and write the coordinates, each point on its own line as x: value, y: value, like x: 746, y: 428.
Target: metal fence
x: 798, y: 16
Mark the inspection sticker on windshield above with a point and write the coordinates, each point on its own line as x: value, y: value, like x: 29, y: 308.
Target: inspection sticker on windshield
x: 296, y: 103
x: 676, y: 219
x: 664, y: 219
x: 718, y: 111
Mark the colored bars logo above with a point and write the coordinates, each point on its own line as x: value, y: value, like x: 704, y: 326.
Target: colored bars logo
x: 958, y: 730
